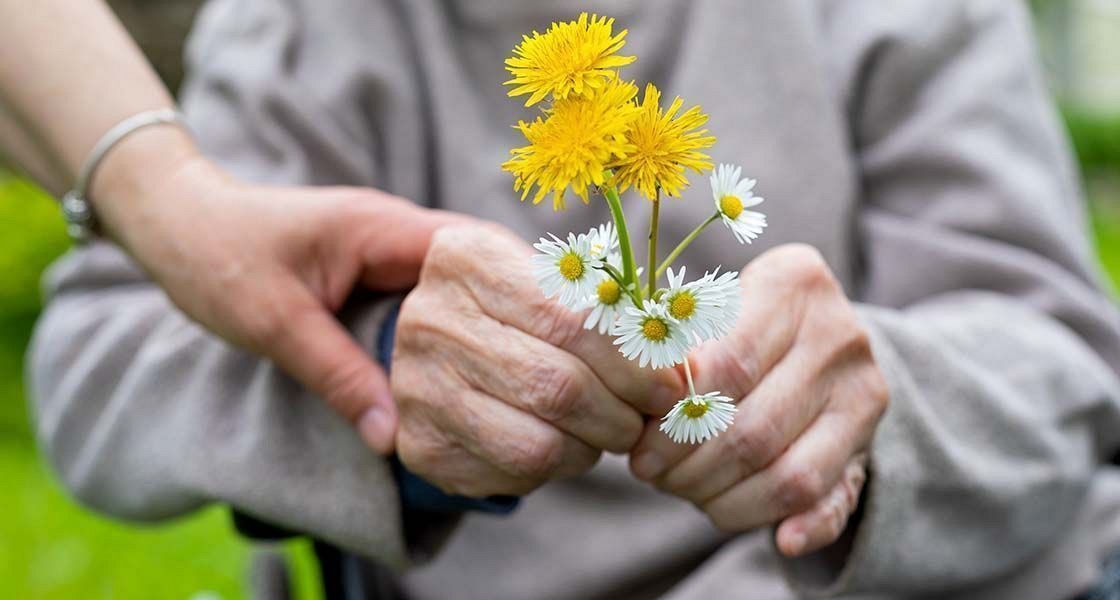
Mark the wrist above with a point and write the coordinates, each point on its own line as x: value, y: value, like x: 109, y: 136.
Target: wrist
x: 136, y: 174
x: 149, y: 187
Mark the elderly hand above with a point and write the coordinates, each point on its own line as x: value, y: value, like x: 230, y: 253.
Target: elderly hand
x: 265, y: 267
x: 811, y: 398
x: 500, y: 389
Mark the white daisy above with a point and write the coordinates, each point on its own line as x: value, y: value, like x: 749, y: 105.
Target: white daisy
x: 733, y: 196
x: 706, y: 308
x: 608, y: 302
x: 604, y: 240
x: 609, y: 305
x: 650, y: 336
x: 566, y: 269
x: 698, y: 418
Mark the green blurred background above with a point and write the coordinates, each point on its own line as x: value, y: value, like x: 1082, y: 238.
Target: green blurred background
x: 52, y: 548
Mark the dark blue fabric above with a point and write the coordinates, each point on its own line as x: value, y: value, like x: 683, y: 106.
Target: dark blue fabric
x: 417, y: 494
x: 1108, y: 588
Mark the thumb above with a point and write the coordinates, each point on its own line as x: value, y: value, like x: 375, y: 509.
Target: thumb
x: 397, y: 243
x: 312, y: 346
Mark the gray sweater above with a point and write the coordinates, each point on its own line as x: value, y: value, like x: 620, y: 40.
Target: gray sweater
x: 912, y: 142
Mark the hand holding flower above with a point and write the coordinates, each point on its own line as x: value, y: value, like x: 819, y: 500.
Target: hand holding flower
x: 810, y: 397
x: 500, y: 389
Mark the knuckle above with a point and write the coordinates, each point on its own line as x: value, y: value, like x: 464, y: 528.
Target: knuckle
x: 554, y: 392
x: 414, y: 316
x: 856, y: 342
x: 741, y: 364
x: 756, y: 444
x: 806, y: 265
x: 848, y: 345
x: 406, y: 383
x: 558, y: 325
x: 537, y: 458
x: 873, y: 397
x: 799, y: 488
x: 880, y: 393
x: 447, y: 251
x: 424, y: 322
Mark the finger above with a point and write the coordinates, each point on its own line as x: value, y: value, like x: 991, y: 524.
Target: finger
x: 522, y: 450
x: 507, y: 292
x: 764, y: 333
x: 385, y: 235
x: 794, y: 482
x: 432, y: 455
x: 308, y: 342
x: 768, y: 421
x: 396, y: 242
x: 822, y: 524
x: 547, y: 382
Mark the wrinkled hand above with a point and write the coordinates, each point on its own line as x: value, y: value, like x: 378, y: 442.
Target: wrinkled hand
x: 266, y: 267
x: 811, y: 398
x: 500, y: 389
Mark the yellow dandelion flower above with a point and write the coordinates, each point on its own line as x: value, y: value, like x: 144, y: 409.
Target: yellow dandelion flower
x: 573, y: 145
x: 576, y: 57
x: 665, y: 145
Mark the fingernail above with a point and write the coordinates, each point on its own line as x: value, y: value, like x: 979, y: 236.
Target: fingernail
x: 377, y: 427
x: 648, y: 465
x: 795, y: 543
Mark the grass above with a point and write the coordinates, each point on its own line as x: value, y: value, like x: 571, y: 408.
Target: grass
x: 51, y: 547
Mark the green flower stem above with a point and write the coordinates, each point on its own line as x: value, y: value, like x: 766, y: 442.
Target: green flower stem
x: 653, y: 244
x: 688, y: 376
x: 614, y: 274
x: 629, y: 272
x: 668, y: 262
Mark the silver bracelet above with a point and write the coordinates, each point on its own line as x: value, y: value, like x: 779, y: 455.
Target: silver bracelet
x: 81, y: 222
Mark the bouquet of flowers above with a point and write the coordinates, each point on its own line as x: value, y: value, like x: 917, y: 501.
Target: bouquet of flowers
x: 595, y: 136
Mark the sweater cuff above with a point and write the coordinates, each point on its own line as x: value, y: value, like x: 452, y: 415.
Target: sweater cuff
x: 416, y: 494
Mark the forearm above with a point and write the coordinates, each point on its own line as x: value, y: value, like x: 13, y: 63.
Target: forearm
x: 75, y: 75
x: 20, y: 153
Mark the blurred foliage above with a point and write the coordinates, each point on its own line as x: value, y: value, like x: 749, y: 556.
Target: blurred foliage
x: 33, y: 237
x: 1096, y: 140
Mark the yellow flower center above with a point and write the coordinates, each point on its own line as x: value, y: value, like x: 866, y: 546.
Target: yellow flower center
x: 731, y: 206
x: 693, y: 410
x: 655, y: 329
x: 682, y: 306
x: 609, y: 292
x: 571, y: 266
